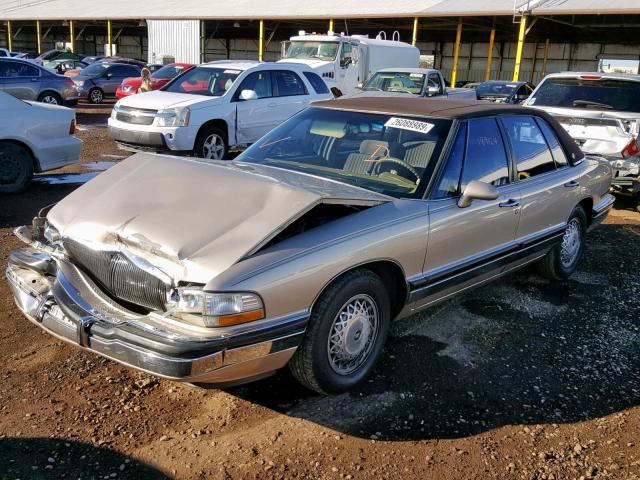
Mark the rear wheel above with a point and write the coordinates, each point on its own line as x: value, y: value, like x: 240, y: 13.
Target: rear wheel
x: 563, y: 259
x: 345, y: 335
x: 16, y: 168
x: 50, y: 97
x: 96, y: 95
x: 211, y: 143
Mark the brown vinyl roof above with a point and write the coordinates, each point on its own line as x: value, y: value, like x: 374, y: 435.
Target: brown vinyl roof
x: 449, y: 109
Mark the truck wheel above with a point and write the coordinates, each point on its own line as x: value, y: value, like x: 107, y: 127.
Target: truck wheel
x: 96, y: 95
x: 563, y: 259
x: 211, y: 143
x: 345, y: 334
x: 16, y: 168
x: 50, y: 97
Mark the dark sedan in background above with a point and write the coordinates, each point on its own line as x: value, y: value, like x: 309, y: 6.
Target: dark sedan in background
x: 27, y: 81
x: 101, y: 79
x: 502, y: 91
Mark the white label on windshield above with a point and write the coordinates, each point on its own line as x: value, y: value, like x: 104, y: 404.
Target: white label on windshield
x: 406, y: 124
x: 415, y: 75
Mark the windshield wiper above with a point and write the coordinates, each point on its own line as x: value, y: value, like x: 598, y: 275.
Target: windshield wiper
x: 589, y: 103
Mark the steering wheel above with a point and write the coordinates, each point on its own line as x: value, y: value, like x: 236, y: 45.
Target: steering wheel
x: 396, y: 161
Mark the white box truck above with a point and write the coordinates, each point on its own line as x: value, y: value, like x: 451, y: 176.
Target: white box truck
x: 345, y: 62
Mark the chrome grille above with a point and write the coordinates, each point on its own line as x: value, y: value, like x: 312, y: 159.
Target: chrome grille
x: 136, y: 116
x: 119, y: 276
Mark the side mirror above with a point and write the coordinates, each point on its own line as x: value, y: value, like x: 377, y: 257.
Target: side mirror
x: 432, y: 91
x: 476, y: 190
x: 109, y: 75
x: 248, y: 95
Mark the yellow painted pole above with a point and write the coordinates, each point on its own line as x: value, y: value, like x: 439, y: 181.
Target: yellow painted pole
x: 456, y: 54
x: 414, y: 39
x: 492, y: 39
x: 331, y: 24
x: 261, y: 41
x: 546, y: 57
x: 9, y: 35
x: 523, y: 29
x: 39, y: 42
x: 109, y: 53
x: 71, y: 35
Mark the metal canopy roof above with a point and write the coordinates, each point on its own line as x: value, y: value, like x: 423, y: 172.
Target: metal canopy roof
x: 291, y: 9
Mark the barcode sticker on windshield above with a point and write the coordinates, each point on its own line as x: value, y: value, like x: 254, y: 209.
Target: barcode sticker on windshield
x: 406, y: 124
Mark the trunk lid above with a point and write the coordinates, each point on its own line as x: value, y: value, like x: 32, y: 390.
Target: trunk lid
x: 193, y: 219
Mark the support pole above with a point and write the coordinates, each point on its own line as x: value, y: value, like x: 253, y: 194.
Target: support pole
x: 71, y: 35
x: 414, y: 38
x: 331, y: 24
x: 38, y: 39
x: 261, y: 41
x: 492, y: 39
x: 546, y: 57
x: 109, y: 52
x: 9, y: 35
x: 456, y: 54
x: 523, y: 29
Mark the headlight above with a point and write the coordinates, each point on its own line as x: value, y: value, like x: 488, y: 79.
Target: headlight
x: 127, y: 88
x: 113, y: 110
x: 174, y: 117
x: 217, y: 309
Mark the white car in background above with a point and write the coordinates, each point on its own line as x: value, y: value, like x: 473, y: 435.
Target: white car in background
x: 215, y: 106
x: 34, y: 137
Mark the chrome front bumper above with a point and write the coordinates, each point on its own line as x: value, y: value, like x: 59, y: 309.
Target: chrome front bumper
x: 62, y: 300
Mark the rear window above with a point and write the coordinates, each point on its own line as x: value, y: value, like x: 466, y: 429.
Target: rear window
x: 316, y: 82
x: 604, y: 94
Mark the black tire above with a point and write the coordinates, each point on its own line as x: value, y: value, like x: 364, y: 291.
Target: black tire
x: 16, y: 168
x: 200, y: 148
x: 553, y: 266
x: 50, y: 97
x: 311, y: 364
x: 96, y: 95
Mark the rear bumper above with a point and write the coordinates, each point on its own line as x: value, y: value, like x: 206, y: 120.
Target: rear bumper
x: 59, y: 298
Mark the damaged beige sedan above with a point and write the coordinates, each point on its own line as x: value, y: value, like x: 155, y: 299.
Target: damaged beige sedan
x: 302, y: 251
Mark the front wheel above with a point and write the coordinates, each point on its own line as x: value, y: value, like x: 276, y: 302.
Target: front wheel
x: 562, y: 260
x: 96, y: 95
x: 345, y: 336
x: 211, y: 143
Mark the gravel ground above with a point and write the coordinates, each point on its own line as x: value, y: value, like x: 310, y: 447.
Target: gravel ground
x: 522, y: 379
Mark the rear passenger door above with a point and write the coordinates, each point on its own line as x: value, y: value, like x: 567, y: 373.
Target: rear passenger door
x: 19, y: 79
x: 466, y: 241
x: 547, y: 183
x: 290, y: 93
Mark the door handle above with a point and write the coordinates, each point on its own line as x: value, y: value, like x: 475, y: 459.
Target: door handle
x: 511, y: 203
x: 572, y: 184
x: 34, y: 79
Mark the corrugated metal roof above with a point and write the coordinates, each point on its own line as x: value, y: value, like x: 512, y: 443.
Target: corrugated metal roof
x: 289, y: 9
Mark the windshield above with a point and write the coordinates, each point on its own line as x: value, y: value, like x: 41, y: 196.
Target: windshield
x: 496, y: 89
x: 309, y: 49
x: 396, y: 82
x: 213, y: 82
x: 168, y: 72
x: 603, y: 94
x: 388, y: 154
x: 94, y: 69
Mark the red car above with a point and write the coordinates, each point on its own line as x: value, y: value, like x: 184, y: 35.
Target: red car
x: 159, y: 79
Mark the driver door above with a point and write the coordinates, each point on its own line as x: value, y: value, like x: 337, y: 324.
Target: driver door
x: 255, y: 117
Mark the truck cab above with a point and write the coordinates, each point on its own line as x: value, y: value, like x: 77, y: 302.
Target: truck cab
x: 345, y: 62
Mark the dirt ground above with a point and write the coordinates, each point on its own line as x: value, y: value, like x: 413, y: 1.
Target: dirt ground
x: 522, y: 379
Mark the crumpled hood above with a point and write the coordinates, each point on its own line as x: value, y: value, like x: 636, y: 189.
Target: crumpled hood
x: 158, y: 99
x: 193, y: 218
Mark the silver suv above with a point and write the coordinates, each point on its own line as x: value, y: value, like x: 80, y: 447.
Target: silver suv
x: 601, y: 111
x: 27, y: 81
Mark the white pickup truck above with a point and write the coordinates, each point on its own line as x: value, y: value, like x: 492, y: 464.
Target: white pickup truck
x: 422, y: 82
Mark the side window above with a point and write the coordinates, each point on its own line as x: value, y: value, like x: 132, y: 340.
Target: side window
x: 486, y: 158
x: 346, y: 55
x: 552, y: 140
x: 530, y: 149
x: 4, y: 69
x: 316, y: 82
x: 288, y: 84
x: 259, y: 82
x: 132, y: 72
x: 18, y: 69
x: 449, y: 185
x: 433, y: 80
